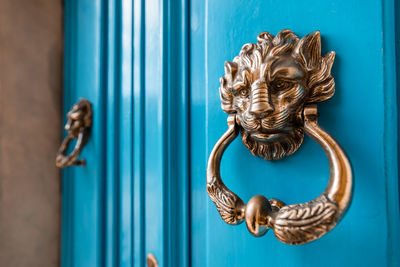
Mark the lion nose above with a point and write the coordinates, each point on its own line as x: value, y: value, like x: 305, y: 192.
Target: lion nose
x: 260, y: 102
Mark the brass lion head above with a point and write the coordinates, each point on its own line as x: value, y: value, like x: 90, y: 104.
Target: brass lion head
x: 79, y: 122
x: 79, y: 117
x: 269, y: 83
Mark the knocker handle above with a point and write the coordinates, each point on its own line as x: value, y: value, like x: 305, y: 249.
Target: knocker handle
x: 292, y: 224
x: 78, y: 126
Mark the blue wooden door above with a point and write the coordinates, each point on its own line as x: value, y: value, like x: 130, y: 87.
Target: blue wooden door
x: 362, y: 116
x: 151, y: 70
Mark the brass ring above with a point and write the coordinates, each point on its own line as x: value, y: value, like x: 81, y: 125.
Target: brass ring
x: 77, y: 126
x: 292, y: 224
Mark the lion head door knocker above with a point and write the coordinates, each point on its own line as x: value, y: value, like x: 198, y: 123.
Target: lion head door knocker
x: 270, y: 91
x: 78, y: 126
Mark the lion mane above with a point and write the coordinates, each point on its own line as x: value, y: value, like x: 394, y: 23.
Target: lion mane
x: 318, y: 84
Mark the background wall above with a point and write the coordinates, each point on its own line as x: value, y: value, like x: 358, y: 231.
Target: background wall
x: 30, y: 131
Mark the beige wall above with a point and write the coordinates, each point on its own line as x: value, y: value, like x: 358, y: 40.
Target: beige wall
x: 30, y: 130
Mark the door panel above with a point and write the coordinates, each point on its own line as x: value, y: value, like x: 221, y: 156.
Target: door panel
x: 130, y: 60
x: 82, y: 213
x: 356, y: 116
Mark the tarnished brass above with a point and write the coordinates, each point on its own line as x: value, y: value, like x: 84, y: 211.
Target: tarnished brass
x: 269, y: 90
x: 78, y: 127
x: 151, y: 260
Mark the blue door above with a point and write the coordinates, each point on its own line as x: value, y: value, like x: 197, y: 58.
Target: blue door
x: 152, y: 70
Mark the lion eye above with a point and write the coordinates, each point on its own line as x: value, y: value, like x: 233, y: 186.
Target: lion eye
x: 244, y: 92
x: 280, y: 85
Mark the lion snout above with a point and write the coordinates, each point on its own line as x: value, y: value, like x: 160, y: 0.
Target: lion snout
x: 260, y: 102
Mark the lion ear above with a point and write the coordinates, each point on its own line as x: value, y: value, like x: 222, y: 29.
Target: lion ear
x: 321, y: 83
x: 230, y: 70
x: 308, y: 50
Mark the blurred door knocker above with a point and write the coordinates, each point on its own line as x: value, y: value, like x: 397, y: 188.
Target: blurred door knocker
x: 79, y: 122
x: 270, y: 91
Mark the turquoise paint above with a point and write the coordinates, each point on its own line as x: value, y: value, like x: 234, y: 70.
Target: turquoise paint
x: 151, y: 70
x: 391, y: 133
x: 98, y: 199
x: 355, y: 116
x: 126, y: 135
x: 82, y: 188
x: 166, y: 132
x: 111, y: 68
x: 138, y: 134
x: 130, y: 60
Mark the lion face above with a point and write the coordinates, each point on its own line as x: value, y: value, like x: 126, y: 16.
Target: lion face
x: 267, y: 86
x: 78, y: 118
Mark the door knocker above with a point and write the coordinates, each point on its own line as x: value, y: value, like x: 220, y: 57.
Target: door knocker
x: 78, y: 126
x: 270, y: 91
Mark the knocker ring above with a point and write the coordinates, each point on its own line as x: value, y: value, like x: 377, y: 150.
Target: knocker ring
x: 269, y: 90
x: 77, y: 127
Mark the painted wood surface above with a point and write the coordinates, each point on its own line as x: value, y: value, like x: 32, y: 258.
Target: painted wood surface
x: 151, y: 70
x: 362, y: 116
x: 129, y: 58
